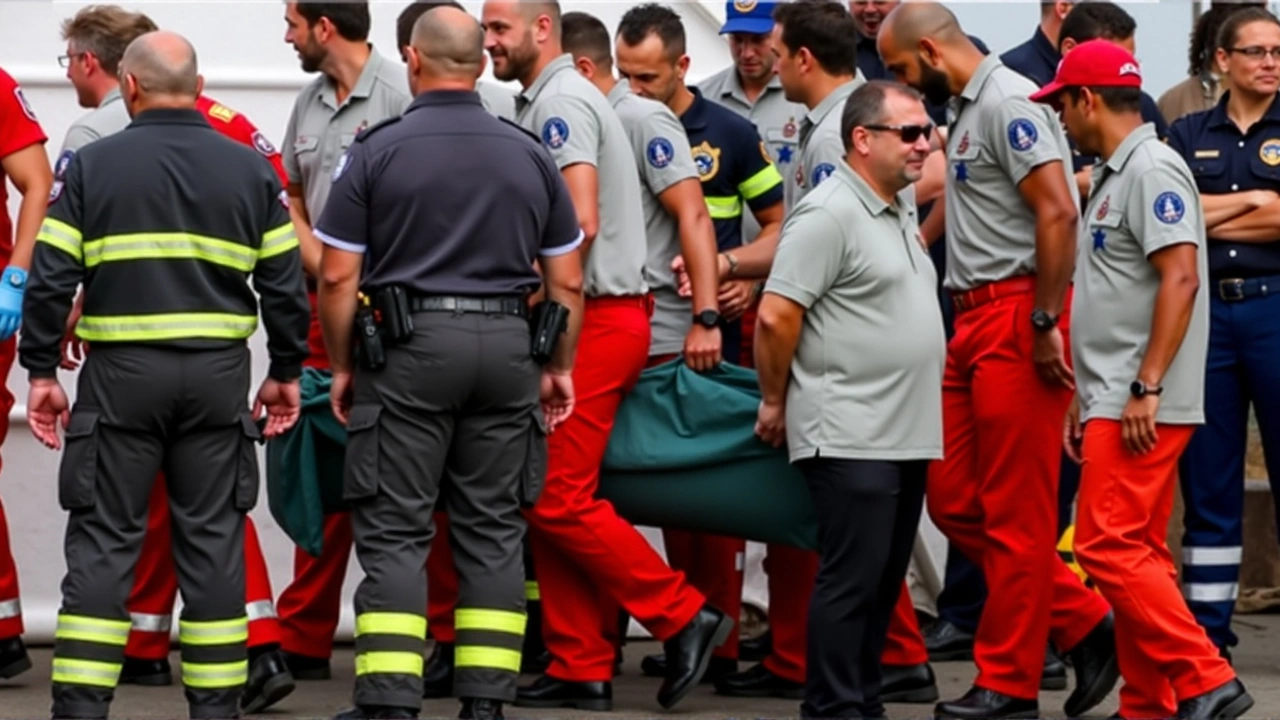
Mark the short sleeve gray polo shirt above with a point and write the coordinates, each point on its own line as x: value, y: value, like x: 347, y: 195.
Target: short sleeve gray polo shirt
x: 577, y: 125
x: 662, y: 153
x: 866, y: 380
x: 998, y: 136
x: 497, y: 99
x: 1144, y: 199
x: 320, y: 130
x: 821, y: 149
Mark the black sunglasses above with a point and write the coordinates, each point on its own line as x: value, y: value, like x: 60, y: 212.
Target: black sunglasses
x: 908, y: 133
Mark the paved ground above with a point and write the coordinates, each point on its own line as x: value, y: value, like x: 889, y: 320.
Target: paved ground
x: 27, y: 696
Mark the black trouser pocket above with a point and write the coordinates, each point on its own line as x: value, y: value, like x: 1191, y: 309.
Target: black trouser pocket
x: 360, y: 471
x: 248, y: 480
x: 79, y: 469
x: 534, y: 473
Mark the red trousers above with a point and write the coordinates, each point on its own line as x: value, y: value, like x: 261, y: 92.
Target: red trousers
x: 995, y: 495
x: 1122, y: 520
x: 310, y: 606
x: 590, y: 560
x: 442, y: 584
x: 10, y: 605
x: 155, y: 586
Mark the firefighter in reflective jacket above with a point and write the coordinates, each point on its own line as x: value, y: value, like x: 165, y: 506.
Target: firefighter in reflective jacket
x: 162, y: 224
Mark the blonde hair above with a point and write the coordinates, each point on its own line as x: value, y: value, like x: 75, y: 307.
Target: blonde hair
x: 105, y: 31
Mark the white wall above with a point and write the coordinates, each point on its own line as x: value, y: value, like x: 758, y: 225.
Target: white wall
x: 248, y: 66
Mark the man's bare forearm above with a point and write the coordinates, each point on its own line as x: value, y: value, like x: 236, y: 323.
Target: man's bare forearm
x: 776, y: 337
x: 338, y: 302
x: 1175, y: 304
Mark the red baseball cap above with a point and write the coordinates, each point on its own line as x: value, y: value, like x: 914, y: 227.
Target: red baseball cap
x: 1096, y: 63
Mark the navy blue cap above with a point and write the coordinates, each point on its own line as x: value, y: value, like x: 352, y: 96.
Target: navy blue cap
x: 748, y: 16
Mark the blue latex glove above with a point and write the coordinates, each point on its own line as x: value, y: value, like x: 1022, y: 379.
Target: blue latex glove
x: 13, y: 283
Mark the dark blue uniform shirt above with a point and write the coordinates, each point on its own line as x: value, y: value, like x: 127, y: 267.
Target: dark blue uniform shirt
x: 1224, y: 160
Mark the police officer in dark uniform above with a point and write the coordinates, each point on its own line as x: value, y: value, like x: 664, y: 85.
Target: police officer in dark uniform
x: 451, y: 245
x: 162, y: 222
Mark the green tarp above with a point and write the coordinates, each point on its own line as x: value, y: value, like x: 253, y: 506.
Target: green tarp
x: 683, y: 454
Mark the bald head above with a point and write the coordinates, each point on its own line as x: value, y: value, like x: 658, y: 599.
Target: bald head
x: 531, y: 9
x: 449, y: 43
x: 911, y: 22
x: 162, y: 64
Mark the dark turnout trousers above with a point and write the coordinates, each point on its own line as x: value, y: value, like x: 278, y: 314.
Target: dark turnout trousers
x: 868, y: 514
x: 140, y: 411
x: 458, y: 400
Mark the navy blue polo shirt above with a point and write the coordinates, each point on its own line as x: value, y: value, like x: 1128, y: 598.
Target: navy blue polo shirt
x: 1225, y: 160
x: 872, y: 68
x: 733, y: 164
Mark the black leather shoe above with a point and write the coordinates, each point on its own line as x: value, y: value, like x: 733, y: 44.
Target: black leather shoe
x: 14, y: 659
x: 480, y: 709
x: 908, y: 684
x: 375, y: 712
x: 1054, y: 675
x: 689, y: 651
x: 548, y: 692
x: 656, y: 666
x: 980, y: 704
x: 1226, y: 702
x: 437, y: 674
x: 757, y: 681
x: 945, y: 641
x: 269, y: 682
x: 151, y: 673
x: 306, y: 667
x: 757, y: 648
x: 535, y: 664
x: 1096, y: 666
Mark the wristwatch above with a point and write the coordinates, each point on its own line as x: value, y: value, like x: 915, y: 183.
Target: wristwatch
x: 1139, y: 389
x: 1043, y: 321
x: 707, y: 318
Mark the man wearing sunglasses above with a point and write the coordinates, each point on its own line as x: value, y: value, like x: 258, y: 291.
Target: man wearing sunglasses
x: 850, y: 351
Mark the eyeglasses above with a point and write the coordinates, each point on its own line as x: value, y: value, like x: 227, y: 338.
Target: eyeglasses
x: 1256, y: 52
x: 908, y: 133
x: 65, y: 60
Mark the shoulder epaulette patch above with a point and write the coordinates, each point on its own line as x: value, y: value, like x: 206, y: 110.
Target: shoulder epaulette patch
x: 222, y: 112
x: 536, y: 138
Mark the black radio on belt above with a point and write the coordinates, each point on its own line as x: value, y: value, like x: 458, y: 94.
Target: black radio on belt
x: 394, y: 314
x: 548, y: 322
x: 371, y: 354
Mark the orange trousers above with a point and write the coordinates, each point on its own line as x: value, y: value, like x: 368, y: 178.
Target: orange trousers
x: 1122, y: 519
x: 995, y: 495
x: 10, y: 605
x: 309, y: 607
x: 155, y: 586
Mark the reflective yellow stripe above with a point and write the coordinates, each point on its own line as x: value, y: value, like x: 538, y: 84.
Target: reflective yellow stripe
x: 169, y: 246
x: 60, y: 235
x: 403, y: 663
x: 724, y: 208
x: 280, y: 240
x: 166, y: 326
x: 531, y: 591
x: 495, y: 620
x: 760, y: 183
x: 213, y: 632
x: 95, y: 630
x: 486, y: 657
x: 391, y: 623
x: 215, y: 675
x: 86, y: 672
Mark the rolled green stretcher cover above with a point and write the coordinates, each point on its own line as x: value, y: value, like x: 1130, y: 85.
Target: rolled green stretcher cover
x: 683, y: 454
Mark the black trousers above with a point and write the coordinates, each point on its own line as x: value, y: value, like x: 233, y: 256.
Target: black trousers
x: 868, y: 514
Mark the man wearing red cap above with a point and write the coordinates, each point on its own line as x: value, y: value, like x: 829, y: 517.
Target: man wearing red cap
x: 1139, y: 338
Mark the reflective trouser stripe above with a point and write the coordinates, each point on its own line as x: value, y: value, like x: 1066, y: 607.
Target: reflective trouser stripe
x: 1201, y: 556
x: 213, y: 632
x: 94, y: 630
x: 215, y: 675
x: 10, y: 608
x: 86, y: 672
x: 724, y: 208
x: 531, y: 591
x: 1210, y: 592
x: 760, y: 183
x: 402, y: 663
x: 391, y: 623
x: 496, y: 620
x: 147, y: 622
x: 482, y: 634
x: 487, y: 657
x: 260, y: 610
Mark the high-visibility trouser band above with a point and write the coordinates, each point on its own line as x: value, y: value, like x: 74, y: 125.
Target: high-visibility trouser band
x: 377, y: 622
x: 1211, y: 592
x: 102, y: 631
x: 260, y: 610
x: 62, y: 236
x: 762, y: 182
x: 277, y: 241
x: 213, y: 632
x: 166, y: 326
x: 1211, y: 556
x: 388, y: 642
x: 724, y: 208
x: 388, y: 662
x: 152, y: 623
x: 70, y: 671
x: 531, y: 590
x: 10, y: 608
x: 488, y: 639
x: 213, y: 676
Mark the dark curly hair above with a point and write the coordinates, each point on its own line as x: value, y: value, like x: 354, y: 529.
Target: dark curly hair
x: 1204, y: 36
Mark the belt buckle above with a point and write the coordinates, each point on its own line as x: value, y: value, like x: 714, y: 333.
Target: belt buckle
x: 1231, y: 289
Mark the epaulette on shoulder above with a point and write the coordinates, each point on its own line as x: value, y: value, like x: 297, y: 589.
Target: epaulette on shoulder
x: 365, y: 133
x: 522, y: 129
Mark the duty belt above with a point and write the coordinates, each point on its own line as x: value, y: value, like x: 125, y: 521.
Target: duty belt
x: 490, y: 305
x: 1236, y: 289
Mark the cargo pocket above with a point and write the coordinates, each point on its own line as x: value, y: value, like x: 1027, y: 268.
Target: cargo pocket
x: 360, y: 472
x: 79, y: 469
x: 247, y: 478
x: 534, y: 473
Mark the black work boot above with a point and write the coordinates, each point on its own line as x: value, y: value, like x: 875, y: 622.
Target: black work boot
x: 1097, y: 668
x: 150, y: 673
x: 437, y: 675
x: 688, y: 653
x: 269, y: 679
x: 1225, y: 702
x: 982, y: 704
x: 480, y: 709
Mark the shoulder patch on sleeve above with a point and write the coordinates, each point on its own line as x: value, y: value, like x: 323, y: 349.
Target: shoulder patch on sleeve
x: 820, y: 173
x: 364, y: 134
x: 1022, y: 134
x: 660, y: 152
x: 26, y: 106
x: 1169, y: 207
x: 341, y: 166
x: 263, y: 145
x: 521, y: 128
x: 222, y: 112
x: 55, y: 192
x: 64, y: 160
x: 555, y: 132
